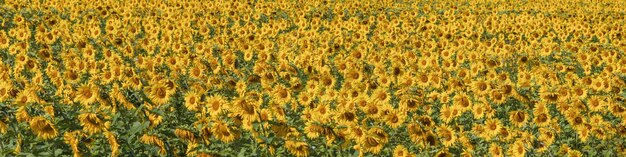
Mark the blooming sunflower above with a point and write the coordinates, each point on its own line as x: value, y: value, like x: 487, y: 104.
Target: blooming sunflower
x: 401, y: 151
x: 495, y: 150
x: 87, y: 94
x: 492, y: 127
x: 159, y: 94
x: 216, y: 104
x: 517, y: 149
x: 395, y: 118
x: 192, y: 101
x: 446, y: 135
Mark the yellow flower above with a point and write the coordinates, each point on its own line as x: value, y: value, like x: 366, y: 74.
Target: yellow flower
x: 3, y: 127
x: 87, y: 94
x: 113, y: 143
x: 447, y: 135
x: 185, y: 135
x: 92, y: 123
x: 395, y: 118
x: 492, y: 127
x: 297, y: 148
x: 223, y: 132
x: 192, y: 101
x: 401, y: 151
x: 154, y: 140
x: 43, y: 128
x: 518, y: 118
x: 159, y: 94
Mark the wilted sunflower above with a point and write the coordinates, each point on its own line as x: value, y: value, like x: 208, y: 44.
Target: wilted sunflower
x: 185, y: 135
x: 154, y: 140
x: 43, y: 128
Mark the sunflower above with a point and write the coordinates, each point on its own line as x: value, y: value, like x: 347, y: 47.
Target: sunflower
x: 495, y: 150
x: 192, y: 101
x: 159, y: 94
x: 583, y: 134
x: 355, y: 132
x: 401, y: 151
x: 518, y: 118
x: 216, y: 104
x: 3, y: 127
x: 446, y: 114
x: 154, y: 140
x: 541, y: 119
x: 517, y: 149
x: 281, y: 94
x: 185, y: 135
x: 395, y: 118
x: 346, y: 117
x: 245, y: 109
x: 24, y: 98
x: 596, y: 104
x: 546, y: 135
x: 297, y: 148
x: 416, y: 132
x: 410, y: 104
x: 480, y: 87
x: 371, y: 144
x: 222, y: 132
x: 462, y: 102
x: 4, y: 40
x: 492, y: 127
x: 497, y: 97
x: 87, y: 94
x: 5, y: 89
x: 92, y: 124
x: 446, y: 135
x: 575, y: 119
x: 43, y: 128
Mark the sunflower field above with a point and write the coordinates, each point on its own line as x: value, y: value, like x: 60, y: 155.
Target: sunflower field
x: 312, y: 78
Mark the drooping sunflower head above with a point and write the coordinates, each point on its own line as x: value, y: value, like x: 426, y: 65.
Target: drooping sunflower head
x: 92, y: 123
x: 43, y: 128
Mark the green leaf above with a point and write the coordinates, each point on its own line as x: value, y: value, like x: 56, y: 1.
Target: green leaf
x: 26, y: 154
x: 58, y: 151
x: 242, y: 152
